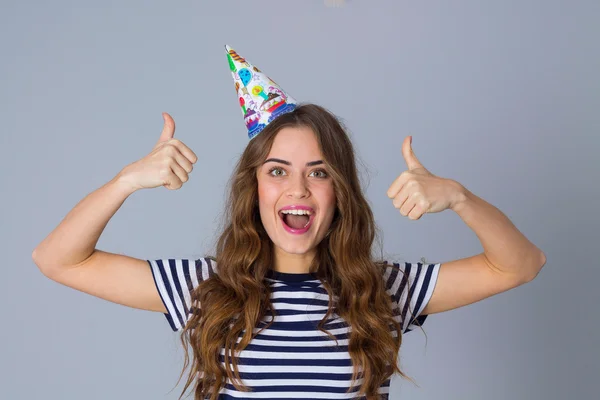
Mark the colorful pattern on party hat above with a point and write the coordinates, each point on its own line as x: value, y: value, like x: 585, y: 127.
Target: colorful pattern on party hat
x: 261, y: 99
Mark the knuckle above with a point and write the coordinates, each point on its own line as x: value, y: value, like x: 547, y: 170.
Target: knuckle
x: 169, y: 149
x: 164, y: 172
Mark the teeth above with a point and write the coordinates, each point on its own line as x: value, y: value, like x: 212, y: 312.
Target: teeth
x: 296, y: 212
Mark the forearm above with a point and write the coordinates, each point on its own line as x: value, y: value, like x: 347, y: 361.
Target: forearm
x: 507, y: 249
x: 75, y: 238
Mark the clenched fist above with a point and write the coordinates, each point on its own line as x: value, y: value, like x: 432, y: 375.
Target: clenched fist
x: 167, y: 165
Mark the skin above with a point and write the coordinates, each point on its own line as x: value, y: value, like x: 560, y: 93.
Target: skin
x: 295, y: 184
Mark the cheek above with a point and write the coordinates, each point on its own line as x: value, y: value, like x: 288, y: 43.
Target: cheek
x: 267, y: 198
x: 328, y: 200
x: 329, y: 196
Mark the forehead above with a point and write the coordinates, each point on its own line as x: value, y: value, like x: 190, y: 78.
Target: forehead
x: 295, y: 143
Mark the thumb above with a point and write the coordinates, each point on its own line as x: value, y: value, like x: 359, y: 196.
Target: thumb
x: 168, y: 128
x: 412, y: 162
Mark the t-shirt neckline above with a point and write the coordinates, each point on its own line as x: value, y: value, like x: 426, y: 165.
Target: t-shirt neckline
x: 291, y: 277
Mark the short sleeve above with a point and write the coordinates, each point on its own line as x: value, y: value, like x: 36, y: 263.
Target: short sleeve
x: 410, y: 286
x: 175, y: 279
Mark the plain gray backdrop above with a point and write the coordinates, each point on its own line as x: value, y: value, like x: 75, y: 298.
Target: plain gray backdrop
x: 501, y: 96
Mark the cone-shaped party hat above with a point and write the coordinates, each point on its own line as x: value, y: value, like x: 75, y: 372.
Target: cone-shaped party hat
x: 261, y: 99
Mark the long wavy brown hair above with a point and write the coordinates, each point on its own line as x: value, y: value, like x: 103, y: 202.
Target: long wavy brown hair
x: 234, y: 301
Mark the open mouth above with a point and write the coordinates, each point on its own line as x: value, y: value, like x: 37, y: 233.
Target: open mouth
x: 296, y: 223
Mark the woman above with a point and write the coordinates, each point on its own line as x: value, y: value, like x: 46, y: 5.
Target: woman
x: 293, y: 303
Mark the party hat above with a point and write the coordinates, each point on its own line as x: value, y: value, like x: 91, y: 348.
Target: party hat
x: 261, y: 99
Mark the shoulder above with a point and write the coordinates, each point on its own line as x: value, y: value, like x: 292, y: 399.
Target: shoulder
x: 206, y: 266
x: 194, y: 269
x: 402, y: 275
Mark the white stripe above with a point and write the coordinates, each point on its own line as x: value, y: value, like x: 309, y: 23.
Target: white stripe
x: 287, y: 343
x: 178, y: 304
x: 299, y: 295
x: 417, y: 292
x: 304, y: 395
x: 300, y: 307
x: 435, y: 269
x: 277, y: 332
x: 281, y: 355
x: 410, y: 313
x: 164, y: 294
x: 300, y: 382
x: 183, y: 282
x: 205, y: 270
x: 275, y: 284
x: 317, y: 369
x: 194, y: 274
x: 299, y: 318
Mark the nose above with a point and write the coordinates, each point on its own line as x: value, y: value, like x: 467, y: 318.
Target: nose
x: 298, y: 187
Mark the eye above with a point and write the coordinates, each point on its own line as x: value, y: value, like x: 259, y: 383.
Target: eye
x: 322, y: 172
x: 275, y: 169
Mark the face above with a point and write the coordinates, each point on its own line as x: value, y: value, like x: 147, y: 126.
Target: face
x: 294, y: 177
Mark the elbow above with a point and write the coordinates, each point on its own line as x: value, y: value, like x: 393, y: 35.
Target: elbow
x: 42, y: 266
x: 537, y: 265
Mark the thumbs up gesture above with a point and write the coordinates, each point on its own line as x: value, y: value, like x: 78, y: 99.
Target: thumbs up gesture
x: 169, y: 163
x: 417, y: 191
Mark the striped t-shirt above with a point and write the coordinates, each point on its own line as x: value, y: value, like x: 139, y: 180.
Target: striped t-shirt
x: 293, y: 359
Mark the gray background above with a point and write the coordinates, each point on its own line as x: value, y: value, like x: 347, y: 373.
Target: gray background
x: 502, y: 96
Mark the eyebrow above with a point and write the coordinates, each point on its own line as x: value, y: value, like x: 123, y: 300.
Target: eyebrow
x: 308, y: 164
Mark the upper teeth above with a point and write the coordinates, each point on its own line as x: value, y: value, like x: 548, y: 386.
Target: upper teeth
x: 296, y: 212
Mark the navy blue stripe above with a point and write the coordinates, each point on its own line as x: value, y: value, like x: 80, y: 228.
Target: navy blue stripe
x: 211, y: 270
x: 291, y: 361
x: 303, y: 325
x: 169, y: 288
x: 292, y: 289
x: 291, y: 388
x: 300, y: 338
x: 405, y: 275
x: 167, y: 315
x: 392, y: 278
x: 420, y: 319
x: 229, y: 397
x: 186, y: 274
x: 425, y: 286
x: 302, y: 301
x: 411, y: 292
x: 296, y: 375
x: 299, y: 312
x: 332, y: 348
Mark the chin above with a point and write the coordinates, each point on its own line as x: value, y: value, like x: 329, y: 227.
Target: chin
x: 296, y: 249
x: 299, y: 247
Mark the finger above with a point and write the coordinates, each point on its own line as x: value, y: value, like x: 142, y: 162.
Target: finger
x: 400, y: 198
x: 409, y: 204
x: 171, y: 181
x: 186, y: 151
x: 416, y: 212
x: 397, y: 185
x: 183, y: 162
x: 168, y: 128
x: 180, y: 172
x: 412, y: 162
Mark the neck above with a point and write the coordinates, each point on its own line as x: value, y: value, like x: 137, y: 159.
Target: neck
x: 293, y: 263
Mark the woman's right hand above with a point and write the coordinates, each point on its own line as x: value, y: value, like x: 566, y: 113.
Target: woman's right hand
x: 167, y: 165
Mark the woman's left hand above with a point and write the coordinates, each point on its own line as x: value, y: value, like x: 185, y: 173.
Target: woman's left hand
x: 417, y: 191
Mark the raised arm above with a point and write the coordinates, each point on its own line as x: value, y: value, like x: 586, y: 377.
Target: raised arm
x: 68, y: 255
